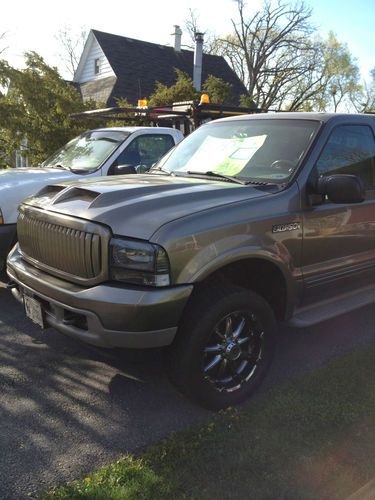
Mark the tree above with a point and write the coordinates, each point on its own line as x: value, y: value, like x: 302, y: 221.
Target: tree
x: 182, y: 90
x: 218, y: 90
x: 363, y: 99
x: 271, y: 51
x: 192, y: 27
x: 284, y: 65
x: 72, y: 44
x: 342, y: 74
x: 333, y: 78
x: 37, y: 105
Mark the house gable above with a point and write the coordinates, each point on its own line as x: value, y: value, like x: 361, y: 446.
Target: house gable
x: 136, y: 66
x: 93, y: 64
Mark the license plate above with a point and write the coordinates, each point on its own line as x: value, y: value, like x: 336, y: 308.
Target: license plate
x: 34, y: 311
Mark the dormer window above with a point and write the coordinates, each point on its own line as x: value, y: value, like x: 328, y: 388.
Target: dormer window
x: 97, y: 66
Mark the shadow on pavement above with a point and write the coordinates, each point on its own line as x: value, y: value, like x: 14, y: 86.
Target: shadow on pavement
x: 66, y: 408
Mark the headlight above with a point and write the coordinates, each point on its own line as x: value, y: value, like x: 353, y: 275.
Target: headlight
x: 1, y: 217
x: 138, y: 262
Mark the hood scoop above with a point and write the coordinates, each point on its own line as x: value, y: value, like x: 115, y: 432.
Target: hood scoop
x: 46, y: 195
x: 76, y: 194
x: 57, y: 194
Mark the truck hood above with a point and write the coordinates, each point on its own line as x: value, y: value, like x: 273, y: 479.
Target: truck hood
x: 138, y: 205
x: 18, y: 183
x: 32, y: 176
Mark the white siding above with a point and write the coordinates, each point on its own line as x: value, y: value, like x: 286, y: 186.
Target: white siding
x: 88, y: 70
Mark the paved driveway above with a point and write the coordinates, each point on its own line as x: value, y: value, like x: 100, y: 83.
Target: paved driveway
x: 67, y: 408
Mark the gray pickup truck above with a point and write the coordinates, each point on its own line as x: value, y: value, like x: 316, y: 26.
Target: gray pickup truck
x: 248, y: 222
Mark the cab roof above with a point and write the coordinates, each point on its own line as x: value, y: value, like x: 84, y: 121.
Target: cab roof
x: 321, y: 117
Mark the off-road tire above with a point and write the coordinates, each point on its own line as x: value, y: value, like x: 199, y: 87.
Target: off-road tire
x: 186, y: 356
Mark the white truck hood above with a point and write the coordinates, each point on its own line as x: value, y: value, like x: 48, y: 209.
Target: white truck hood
x: 16, y: 184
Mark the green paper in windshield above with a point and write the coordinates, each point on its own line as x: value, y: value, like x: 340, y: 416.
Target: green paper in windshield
x: 225, y: 156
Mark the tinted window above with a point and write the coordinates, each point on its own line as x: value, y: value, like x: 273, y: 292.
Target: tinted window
x: 146, y: 150
x: 350, y: 150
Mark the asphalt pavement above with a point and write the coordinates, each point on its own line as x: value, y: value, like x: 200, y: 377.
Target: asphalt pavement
x: 67, y: 408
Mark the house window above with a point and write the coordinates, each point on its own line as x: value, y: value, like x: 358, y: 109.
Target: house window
x: 97, y: 66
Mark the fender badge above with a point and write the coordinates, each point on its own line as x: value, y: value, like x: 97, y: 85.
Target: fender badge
x: 290, y: 226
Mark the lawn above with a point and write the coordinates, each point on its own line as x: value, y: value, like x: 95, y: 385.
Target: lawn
x: 312, y: 438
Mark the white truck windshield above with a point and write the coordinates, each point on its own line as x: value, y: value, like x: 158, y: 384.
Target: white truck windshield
x: 88, y: 151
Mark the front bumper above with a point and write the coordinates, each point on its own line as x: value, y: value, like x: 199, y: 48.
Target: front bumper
x: 106, y: 315
x: 7, y: 236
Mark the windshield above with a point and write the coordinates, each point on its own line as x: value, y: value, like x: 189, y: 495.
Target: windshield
x: 254, y: 150
x: 87, y: 151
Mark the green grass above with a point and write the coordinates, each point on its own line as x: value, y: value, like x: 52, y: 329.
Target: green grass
x: 313, y: 438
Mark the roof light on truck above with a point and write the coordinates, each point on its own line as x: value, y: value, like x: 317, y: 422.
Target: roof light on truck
x: 142, y: 103
x: 205, y: 99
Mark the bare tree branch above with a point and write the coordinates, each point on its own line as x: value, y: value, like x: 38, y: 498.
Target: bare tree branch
x: 192, y: 26
x: 2, y: 39
x: 72, y: 44
x: 363, y: 99
x: 268, y: 48
x: 282, y: 63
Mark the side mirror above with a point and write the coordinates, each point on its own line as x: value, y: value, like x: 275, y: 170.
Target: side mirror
x: 123, y: 169
x: 341, y: 188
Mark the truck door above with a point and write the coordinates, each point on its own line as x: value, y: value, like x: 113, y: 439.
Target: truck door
x: 339, y: 239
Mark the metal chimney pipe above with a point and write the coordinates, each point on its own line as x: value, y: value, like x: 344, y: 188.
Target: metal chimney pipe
x: 198, y: 56
x: 177, y: 38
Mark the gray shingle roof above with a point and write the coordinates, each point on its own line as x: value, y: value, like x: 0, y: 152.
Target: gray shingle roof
x: 138, y: 65
x: 98, y: 90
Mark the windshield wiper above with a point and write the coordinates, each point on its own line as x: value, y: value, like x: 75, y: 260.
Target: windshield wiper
x: 158, y: 170
x: 211, y: 173
x: 57, y: 166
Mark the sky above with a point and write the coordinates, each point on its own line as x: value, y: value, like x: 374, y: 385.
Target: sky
x: 33, y: 25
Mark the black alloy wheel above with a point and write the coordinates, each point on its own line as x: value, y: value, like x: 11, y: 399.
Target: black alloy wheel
x: 223, y: 347
x: 234, y: 351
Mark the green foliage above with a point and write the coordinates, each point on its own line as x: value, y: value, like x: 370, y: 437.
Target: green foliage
x: 246, y: 101
x: 128, y: 478
x: 126, y: 120
x: 182, y: 90
x: 122, y: 102
x: 342, y: 74
x: 218, y: 90
x: 365, y: 98
x: 36, y: 106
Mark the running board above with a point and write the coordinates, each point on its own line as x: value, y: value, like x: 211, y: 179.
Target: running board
x: 328, y: 309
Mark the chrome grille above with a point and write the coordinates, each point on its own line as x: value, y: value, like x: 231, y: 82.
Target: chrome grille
x: 64, y: 246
